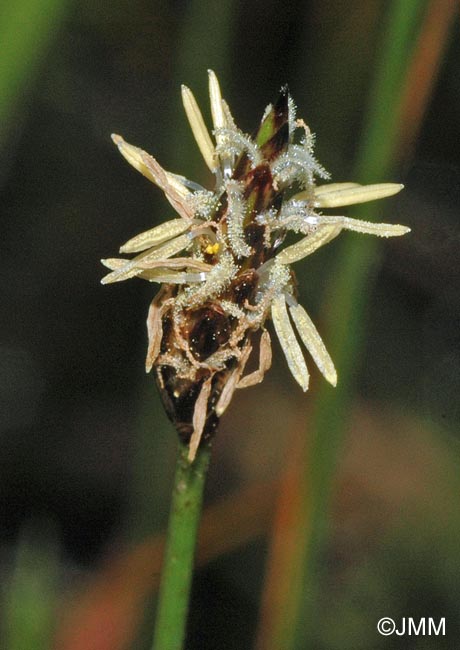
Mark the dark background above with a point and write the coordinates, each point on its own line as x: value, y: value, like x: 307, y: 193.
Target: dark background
x: 86, y: 454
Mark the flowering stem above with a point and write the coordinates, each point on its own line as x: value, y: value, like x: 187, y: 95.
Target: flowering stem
x: 177, y: 572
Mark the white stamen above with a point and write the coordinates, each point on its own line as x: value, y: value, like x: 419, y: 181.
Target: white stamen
x: 199, y: 130
x: 313, y: 342
x: 113, y: 263
x: 309, y: 244
x: 151, y: 169
x: 163, y: 270
x: 155, y: 236
x: 333, y: 187
x: 310, y: 194
x: 131, y: 268
x: 175, y: 263
x: 289, y: 343
x: 356, y: 194
x: 218, y: 119
x: 173, y: 277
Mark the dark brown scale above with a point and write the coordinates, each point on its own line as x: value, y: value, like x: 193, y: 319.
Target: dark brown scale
x: 179, y: 398
x: 243, y: 287
x: 167, y: 338
x: 255, y: 237
x: 259, y: 192
x: 208, y: 329
x: 259, y: 195
x: 222, y: 208
x: 242, y: 166
x: 281, y: 107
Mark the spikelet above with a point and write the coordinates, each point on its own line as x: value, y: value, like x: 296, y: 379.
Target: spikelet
x: 223, y: 266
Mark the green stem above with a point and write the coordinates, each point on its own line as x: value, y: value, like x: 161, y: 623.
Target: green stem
x: 177, y: 572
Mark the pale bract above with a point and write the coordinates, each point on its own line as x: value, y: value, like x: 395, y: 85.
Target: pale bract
x: 222, y: 264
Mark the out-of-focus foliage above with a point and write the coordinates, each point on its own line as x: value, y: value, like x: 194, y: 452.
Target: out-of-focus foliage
x: 29, y: 620
x: 27, y: 28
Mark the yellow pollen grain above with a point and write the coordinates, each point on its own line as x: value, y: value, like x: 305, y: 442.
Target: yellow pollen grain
x: 211, y: 249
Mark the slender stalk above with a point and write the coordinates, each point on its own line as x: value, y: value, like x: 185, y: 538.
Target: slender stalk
x: 177, y: 572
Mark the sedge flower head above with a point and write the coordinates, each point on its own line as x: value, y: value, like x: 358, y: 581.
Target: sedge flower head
x: 223, y: 269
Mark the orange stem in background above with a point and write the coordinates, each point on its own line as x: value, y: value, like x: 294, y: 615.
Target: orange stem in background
x: 283, y: 542
x: 423, y: 71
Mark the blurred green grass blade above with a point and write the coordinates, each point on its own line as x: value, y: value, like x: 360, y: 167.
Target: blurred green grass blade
x: 378, y: 146
x: 26, y: 29
x: 344, y: 318
x: 31, y: 596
